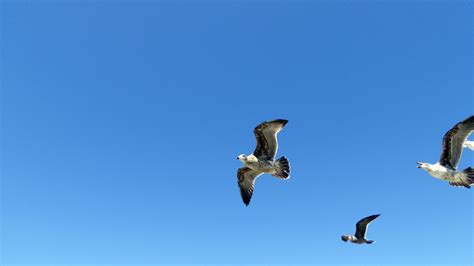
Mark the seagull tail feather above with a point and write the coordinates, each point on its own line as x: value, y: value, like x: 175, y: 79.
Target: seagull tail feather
x: 469, y: 176
x: 282, y: 166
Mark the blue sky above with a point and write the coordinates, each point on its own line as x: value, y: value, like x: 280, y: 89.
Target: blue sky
x: 121, y: 122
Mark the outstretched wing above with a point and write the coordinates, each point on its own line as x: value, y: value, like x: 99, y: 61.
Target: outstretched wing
x: 266, y: 135
x: 361, y: 226
x: 246, y: 179
x: 453, y: 142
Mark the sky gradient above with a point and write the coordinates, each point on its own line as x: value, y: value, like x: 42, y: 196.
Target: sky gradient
x: 121, y: 123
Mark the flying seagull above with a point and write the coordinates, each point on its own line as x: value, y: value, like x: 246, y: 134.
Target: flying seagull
x: 453, y: 142
x: 469, y: 144
x: 262, y: 160
x: 361, y: 229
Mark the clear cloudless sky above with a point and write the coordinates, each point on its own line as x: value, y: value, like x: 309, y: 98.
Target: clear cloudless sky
x: 122, y: 120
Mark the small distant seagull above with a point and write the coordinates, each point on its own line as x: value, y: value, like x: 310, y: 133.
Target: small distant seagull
x: 469, y: 144
x: 262, y: 160
x: 361, y: 229
x: 453, y: 142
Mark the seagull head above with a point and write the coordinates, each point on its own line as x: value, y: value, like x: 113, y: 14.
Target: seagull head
x: 345, y: 238
x: 423, y: 165
x: 242, y: 158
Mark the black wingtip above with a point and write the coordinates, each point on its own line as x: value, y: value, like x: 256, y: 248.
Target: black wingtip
x: 246, y: 197
x: 469, y: 120
x: 372, y: 217
x: 283, y: 121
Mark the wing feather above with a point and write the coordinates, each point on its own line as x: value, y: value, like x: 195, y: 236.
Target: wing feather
x: 266, y: 136
x: 453, y: 142
x: 246, y: 179
x: 362, y: 224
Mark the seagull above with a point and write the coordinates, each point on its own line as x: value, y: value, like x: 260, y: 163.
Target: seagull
x: 262, y: 160
x: 453, y: 142
x: 468, y: 144
x: 361, y: 229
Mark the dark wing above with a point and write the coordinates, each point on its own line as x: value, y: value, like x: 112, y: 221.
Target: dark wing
x: 453, y: 141
x: 266, y: 135
x: 246, y: 179
x: 361, y: 226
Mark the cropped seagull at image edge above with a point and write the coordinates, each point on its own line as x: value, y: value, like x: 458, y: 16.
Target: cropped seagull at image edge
x: 361, y: 230
x: 262, y: 160
x: 453, y: 143
x: 469, y: 144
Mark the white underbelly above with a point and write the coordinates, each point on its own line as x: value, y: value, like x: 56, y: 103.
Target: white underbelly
x: 443, y: 175
x: 448, y: 175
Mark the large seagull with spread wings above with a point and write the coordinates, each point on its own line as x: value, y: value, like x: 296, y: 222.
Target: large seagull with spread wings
x: 453, y: 143
x: 262, y: 160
